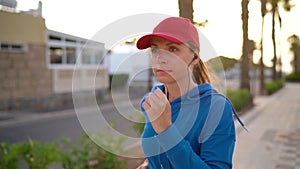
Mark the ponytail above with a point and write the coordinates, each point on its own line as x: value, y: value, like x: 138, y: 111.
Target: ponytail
x: 200, y: 73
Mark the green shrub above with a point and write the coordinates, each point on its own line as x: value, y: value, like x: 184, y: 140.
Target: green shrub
x: 38, y: 156
x: 33, y: 153
x: 89, y: 155
x: 293, y: 77
x: 9, y: 155
x: 273, y: 86
x: 239, y: 98
x: 74, y: 157
x: 86, y: 155
x: 118, y: 80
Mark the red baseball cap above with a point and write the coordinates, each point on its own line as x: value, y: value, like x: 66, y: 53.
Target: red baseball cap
x: 174, y: 29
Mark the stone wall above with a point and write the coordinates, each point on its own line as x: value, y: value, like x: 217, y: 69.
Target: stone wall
x: 79, y: 79
x: 24, y: 76
x: 27, y: 84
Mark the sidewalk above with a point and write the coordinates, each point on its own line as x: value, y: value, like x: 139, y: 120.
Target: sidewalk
x: 273, y: 141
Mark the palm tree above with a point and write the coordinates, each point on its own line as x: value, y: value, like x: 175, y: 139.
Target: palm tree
x: 286, y: 4
x: 262, y: 66
x: 245, y: 59
x: 295, y: 48
x: 186, y: 9
x: 252, y: 47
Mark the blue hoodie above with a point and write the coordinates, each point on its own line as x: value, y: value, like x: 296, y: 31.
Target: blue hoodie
x: 202, y: 134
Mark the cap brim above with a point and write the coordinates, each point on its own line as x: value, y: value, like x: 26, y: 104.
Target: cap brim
x: 145, y: 41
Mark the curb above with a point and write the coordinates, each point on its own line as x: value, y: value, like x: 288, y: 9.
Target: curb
x: 18, y: 118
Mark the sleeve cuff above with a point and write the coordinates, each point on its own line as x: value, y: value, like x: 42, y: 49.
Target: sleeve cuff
x: 169, y: 138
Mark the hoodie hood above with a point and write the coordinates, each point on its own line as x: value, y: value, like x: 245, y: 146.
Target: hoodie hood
x: 201, y: 91
x: 197, y: 94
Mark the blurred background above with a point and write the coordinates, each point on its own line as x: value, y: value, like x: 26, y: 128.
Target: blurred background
x: 257, y: 53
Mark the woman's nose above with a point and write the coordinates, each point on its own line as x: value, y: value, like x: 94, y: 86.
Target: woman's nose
x: 160, y: 56
x: 159, y: 60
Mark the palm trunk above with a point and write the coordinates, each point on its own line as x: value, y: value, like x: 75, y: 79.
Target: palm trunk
x: 245, y: 79
x: 186, y: 9
x: 296, y: 67
x: 279, y: 58
x: 274, y: 72
x: 262, y: 66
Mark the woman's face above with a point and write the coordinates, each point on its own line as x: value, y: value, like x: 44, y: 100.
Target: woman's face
x: 170, y: 60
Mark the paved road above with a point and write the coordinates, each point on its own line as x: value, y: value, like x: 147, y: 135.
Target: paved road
x: 46, y: 129
x: 274, y: 138
x: 52, y: 126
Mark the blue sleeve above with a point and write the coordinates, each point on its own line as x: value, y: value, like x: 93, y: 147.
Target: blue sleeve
x: 216, y: 150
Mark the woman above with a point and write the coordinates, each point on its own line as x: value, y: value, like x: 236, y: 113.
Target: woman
x: 188, y: 123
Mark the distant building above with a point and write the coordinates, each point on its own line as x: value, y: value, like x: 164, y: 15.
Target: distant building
x: 36, y: 64
x: 66, y: 53
x: 127, y: 59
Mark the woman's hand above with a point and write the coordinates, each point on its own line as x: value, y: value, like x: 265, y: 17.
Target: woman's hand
x: 158, y: 110
x: 144, y: 165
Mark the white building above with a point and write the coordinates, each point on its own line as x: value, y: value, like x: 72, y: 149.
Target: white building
x: 66, y: 54
x: 127, y: 59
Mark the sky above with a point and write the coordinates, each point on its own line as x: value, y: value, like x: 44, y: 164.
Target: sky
x: 223, y: 30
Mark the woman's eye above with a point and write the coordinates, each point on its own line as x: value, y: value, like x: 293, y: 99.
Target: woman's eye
x: 154, y: 50
x: 172, y: 49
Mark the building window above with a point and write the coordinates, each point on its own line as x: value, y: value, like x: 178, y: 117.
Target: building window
x: 68, y: 55
x: 4, y: 46
x: 98, y: 57
x: 70, y: 40
x: 71, y: 55
x: 65, y: 51
x: 56, y: 54
x: 13, y: 47
x: 91, y: 56
x: 86, y: 56
x: 54, y: 38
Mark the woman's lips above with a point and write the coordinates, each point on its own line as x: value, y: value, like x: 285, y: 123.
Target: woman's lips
x: 162, y: 71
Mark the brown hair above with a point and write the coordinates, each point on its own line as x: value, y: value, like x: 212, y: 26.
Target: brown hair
x: 200, y: 71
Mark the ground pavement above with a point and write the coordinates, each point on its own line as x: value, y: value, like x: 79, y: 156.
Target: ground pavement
x: 273, y: 141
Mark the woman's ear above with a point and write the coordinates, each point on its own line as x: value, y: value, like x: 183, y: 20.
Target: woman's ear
x: 196, y: 60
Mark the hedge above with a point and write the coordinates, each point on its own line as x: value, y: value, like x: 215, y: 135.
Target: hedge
x: 239, y: 98
x: 293, y: 77
x: 273, y: 86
